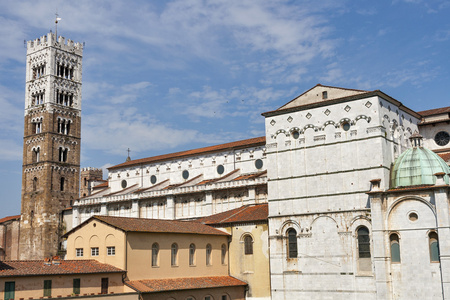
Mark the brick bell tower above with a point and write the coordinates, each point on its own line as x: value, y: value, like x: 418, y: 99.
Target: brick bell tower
x: 51, y: 143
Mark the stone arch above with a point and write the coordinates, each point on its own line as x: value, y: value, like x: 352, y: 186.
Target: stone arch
x: 363, y: 117
x: 289, y: 224
x: 405, y: 198
x: 307, y: 127
x: 319, y: 217
x: 329, y: 122
x: 241, y: 239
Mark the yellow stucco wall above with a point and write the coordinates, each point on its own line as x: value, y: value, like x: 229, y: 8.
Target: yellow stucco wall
x: 140, y: 250
x: 253, y: 268
x: 98, y: 234
x: 62, y: 285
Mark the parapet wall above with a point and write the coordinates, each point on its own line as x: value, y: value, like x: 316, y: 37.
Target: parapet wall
x: 51, y: 40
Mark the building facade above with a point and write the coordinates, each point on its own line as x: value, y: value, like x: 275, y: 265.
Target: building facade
x: 51, y: 148
x: 328, y: 238
x: 163, y: 259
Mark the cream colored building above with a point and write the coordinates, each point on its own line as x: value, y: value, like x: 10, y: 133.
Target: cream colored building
x: 188, y: 255
x: 62, y: 279
x: 249, y: 249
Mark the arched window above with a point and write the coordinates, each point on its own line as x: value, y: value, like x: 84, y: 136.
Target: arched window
x: 192, y: 255
x: 395, y: 248
x: 155, y: 252
x: 224, y: 254
x: 364, y: 261
x: 434, y: 246
x: 248, y: 245
x: 35, y: 184
x: 292, y: 243
x: 36, y: 155
x: 174, y: 254
x: 62, y: 184
x: 208, y: 254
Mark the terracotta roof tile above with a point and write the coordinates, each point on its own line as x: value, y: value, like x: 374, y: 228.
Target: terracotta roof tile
x: 247, y: 213
x: 6, y: 219
x: 444, y: 156
x: 435, y: 111
x: 175, y: 284
x: 101, y: 185
x: 37, y: 267
x: 250, y: 176
x: 155, y: 225
x: 259, y: 141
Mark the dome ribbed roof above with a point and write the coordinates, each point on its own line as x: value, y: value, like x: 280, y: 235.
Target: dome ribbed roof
x: 417, y: 166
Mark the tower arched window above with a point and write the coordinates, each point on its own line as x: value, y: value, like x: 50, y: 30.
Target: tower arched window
x: 62, y: 182
x: 248, y: 245
x: 191, y: 254
x: 174, y: 254
x: 434, y: 246
x: 63, y: 154
x: 155, y: 253
x: 292, y: 243
x: 35, y: 184
x: 395, y: 247
x: 364, y: 261
x: 208, y: 254
x: 36, y: 155
x: 38, y: 126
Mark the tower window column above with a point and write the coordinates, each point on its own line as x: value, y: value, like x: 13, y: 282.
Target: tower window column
x: 63, y: 154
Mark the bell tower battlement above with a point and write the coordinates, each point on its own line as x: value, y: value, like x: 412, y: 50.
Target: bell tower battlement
x: 52, y: 137
x: 53, y: 73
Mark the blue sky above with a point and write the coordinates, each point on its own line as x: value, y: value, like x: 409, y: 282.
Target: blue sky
x: 165, y: 76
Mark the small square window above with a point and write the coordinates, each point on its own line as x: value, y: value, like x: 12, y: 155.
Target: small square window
x: 324, y: 95
x: 94, y: 251
x: 79, y: 252
x: 111, y: 251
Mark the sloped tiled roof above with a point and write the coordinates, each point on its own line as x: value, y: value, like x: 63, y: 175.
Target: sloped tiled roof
x: 101, y: 185
x: 154, y: 225
x: 243, y: 214
x: 253, y: 142
x: 6, y: 219
x: 250, y: 176
x: 435, y: 111
x: 444, y: 156
x: 176, y: 284
x: 37, y: 267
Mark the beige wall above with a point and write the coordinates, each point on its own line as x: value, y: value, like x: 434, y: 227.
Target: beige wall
x: 139, y: 251
x: 33, y: 286
x: 251, y: 268
x: 98, y: 234
x: 234, y: 293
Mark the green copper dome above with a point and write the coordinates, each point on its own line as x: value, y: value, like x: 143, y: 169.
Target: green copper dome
x: 417, y: 166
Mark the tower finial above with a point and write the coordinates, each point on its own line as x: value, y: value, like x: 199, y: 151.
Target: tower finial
x: 128, y: 158
x: 57, y: 18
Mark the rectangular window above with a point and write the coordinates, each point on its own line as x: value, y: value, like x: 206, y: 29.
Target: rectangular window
x: 76, y: 286
x: 94, y: 251
x: 79, y: 252
x: 10, y: 287
x: 47, y: 288
x: 111, y: 251
x: 104, y: 286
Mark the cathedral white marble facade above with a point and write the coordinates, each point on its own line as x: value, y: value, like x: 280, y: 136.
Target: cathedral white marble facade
x: 339, y: 227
